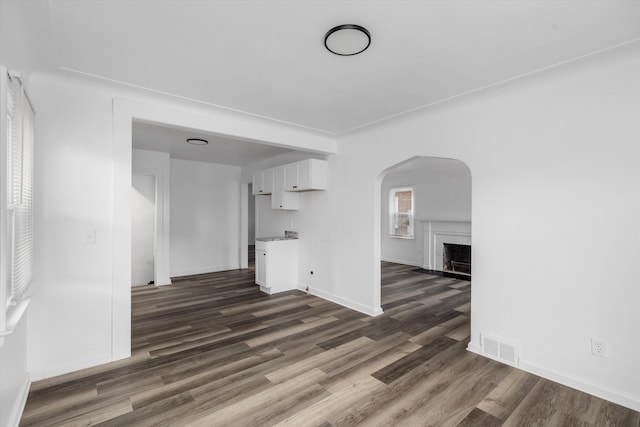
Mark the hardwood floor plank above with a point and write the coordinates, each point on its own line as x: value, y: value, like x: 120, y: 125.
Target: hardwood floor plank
x: 422, y: 382
x: 537, y: 408
x: 244, y: 409
x: 335, y: 404
x: 211, y: 349
x: 478, y: 417
x: 504, y: 399
x: 397, y: 369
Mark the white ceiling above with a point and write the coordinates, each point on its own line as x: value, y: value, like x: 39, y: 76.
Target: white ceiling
x: 221, y: 150
x: 267, y: 57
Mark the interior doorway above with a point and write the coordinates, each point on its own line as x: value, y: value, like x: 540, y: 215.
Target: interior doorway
x: 251, y: 225
x: 438, y: 211
x: 143, y: 224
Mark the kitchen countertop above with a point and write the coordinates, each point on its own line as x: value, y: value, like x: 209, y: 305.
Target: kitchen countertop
x: 272, y: 239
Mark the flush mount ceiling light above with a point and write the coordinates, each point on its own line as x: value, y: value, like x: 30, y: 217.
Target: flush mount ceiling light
x: 347, y: 39
x: 197, y: 141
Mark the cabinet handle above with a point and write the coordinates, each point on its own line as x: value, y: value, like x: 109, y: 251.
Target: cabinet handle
x: 259, y: 191
x: 295, y: 186
x: 264, y: 254
x: 280, y: 205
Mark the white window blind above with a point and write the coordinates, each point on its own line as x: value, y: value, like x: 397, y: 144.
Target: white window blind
x: 19, y: 196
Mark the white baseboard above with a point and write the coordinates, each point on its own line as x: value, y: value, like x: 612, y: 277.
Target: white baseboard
x: 163, y: 283
x: 401, y: 261
x: 603, y: 393
x: 204, y: 270
x: 371, y: 311
x: 41, y: 374
x: 20, y: 402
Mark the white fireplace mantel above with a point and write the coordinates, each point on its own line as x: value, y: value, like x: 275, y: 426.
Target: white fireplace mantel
x: 438, y: 232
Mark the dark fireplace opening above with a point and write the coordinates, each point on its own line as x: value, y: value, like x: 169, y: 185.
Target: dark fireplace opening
x: 456, y: 258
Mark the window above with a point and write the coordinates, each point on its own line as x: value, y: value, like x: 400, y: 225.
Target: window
x: 401, y: 212
x: 16, y: 238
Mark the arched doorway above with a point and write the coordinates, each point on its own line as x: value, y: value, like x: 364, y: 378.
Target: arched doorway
x: 425, y: 207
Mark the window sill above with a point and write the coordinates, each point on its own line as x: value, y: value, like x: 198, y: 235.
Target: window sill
x: 393, y: 236
x: 13, y: 318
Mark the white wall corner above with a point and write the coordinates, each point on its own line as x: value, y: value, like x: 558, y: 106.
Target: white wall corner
x: 41, y: 374
x: 20, y: 402
x: 370, y: 311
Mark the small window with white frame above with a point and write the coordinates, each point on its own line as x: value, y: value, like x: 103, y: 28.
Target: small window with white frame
x: 16, y: 200
x: 401, y: 209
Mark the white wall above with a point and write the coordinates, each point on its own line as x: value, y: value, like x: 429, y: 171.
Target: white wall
x: 205, y: 211
x: 71, y: 311
x: 554, y: 164
x: 80, y: 313
x: 25, y: 44
x: 14, y: 380
x: 442, y: 190
x: 158, y: 165
x: 19, y: 51
x: 313, y: 224
x: 143, y: 220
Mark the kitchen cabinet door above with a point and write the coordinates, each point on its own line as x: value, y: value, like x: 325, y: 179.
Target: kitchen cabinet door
x: 262, y: 182
x: 291, y: 177
x: 281, y: 199
x: 310, y: 174
x: 261, y: 268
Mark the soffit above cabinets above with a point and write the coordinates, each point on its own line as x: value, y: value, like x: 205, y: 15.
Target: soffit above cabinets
x: 221, y: 150
x: 267, y: 58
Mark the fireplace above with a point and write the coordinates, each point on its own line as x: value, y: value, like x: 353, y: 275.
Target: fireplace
x: 437, y: 234
x: 456, y: 258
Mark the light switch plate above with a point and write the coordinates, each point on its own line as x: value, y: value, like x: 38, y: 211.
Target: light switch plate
x: 90, y: 236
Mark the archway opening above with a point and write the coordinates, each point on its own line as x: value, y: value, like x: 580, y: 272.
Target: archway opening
x: 424, y: 214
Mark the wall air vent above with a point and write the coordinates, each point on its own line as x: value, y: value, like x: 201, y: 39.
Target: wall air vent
x: 500, y: 349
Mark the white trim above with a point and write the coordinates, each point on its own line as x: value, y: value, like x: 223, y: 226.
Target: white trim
x: 371, y: 311
x: 14, y: 315
x: 603, y: 393
x: 437, y: 232
x: 243, y: 247
x: 401, y: 261
x: 19, y: 403
x: 204, y: 270
x: 41, y: 374
x: 122, y: 152
x: 393, y: 236
x: 161, y: 250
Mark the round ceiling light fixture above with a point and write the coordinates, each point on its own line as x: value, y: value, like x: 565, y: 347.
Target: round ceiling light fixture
x: 197, y: 141
x: 347, y: 39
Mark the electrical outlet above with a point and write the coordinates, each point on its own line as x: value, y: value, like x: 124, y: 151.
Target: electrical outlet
x: 598, y: 348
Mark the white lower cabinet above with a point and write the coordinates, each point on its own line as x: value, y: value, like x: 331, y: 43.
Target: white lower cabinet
x: 277, y: 265
x: 261, y: 268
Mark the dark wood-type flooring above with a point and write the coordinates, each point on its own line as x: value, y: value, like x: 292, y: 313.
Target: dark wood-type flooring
x: 212, y: 350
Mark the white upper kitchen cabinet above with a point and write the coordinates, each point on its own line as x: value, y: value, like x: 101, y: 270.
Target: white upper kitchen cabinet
x: 263, y: 182
x: 306, y: 175
x: 281, y: 199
